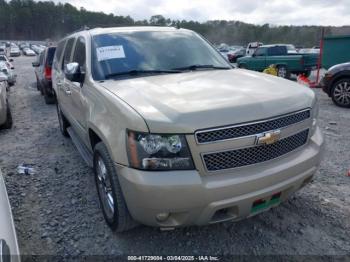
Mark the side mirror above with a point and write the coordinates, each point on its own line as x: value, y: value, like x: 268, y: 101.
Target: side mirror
x: 35, y: 64
x: 73, y: 73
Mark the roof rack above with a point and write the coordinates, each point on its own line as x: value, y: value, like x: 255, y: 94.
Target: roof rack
x: 84, y: 28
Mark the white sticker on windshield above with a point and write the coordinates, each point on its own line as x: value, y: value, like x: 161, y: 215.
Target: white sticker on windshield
x: 110, y: 52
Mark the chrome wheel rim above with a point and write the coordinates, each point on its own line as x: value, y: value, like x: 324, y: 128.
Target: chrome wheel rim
x: 341, y: 93
x: 282, y: 72
x: 105, y: 187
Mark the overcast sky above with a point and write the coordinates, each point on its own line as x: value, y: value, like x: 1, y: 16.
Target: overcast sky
x: 278, y: 12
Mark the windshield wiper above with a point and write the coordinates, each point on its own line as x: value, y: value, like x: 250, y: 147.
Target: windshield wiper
x: 139, y: 72
x: 195, y: 67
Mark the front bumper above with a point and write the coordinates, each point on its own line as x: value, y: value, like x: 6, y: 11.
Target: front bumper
x: 192, y: 199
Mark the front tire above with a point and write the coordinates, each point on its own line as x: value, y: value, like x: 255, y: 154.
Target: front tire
x: 109, y: 191
x: 64, y: 124
x: 340, y: 92
x: 48, y: 99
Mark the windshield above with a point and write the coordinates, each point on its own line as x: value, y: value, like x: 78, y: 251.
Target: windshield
x: 151, y: 50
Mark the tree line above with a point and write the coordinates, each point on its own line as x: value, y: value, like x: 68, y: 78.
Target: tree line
x: 30, y: 20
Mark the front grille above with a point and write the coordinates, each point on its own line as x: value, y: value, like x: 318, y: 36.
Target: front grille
x: 254, y: 155
x: 251, y: 129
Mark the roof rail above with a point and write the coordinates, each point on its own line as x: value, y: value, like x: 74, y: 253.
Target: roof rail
x: 79, y: 30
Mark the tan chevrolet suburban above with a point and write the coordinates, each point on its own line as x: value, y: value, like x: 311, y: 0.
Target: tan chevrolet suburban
x: 175, y: 135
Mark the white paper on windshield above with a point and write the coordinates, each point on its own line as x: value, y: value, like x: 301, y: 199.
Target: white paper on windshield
x: 110, y: 52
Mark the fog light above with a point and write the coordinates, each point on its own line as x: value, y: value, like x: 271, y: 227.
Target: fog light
x: 161, y: 217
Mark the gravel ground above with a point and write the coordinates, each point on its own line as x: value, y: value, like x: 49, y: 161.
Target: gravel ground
x: 57, y: 211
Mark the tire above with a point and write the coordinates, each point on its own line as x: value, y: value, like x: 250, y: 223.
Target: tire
x: 9, y: 121
x: 64, y: 124
x: 340, y: 92
x: 49, y: 99
x: 37, y: 84
x: 283, y: 72
x: 109, y: 191
x: 242, y: 66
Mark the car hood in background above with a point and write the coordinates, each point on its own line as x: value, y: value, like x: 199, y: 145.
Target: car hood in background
x: 186, y: 102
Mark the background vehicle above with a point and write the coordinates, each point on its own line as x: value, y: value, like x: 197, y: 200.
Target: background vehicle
x: 309, y: 51
x: 7, y: 60
x: 43, y: 71
x: 278, y: 55
x: 11, y: 75
x: 8, y: 238
x: 154, y: 112
x: 251, y: 47
x: 234, y: 55
x: 336, y: 84
x: 2, y: 51
x: 28, y: 52
x: 5, y: 113
x: 14, y: 51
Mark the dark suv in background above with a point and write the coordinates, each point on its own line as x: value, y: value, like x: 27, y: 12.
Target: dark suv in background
x: 336, y: 83
x: 43, y: 68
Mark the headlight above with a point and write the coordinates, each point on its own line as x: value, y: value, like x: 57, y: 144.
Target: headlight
x: 158, y: 152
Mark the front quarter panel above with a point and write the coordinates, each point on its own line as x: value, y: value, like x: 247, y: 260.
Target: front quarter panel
x: 110, y: 117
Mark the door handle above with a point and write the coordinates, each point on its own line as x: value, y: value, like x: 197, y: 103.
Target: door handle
x: 67, y: 91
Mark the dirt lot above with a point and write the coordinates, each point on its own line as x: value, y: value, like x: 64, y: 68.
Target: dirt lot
x: 57, y: 211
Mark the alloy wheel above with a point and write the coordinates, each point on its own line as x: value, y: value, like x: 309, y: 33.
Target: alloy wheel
x: 341, y: 93
x: 282, y: 72
x: 105, y: 187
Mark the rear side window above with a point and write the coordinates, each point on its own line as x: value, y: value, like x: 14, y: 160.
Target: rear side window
x: 261, y: 51
x: 67, y: 52
x: 277, y: 50
x: 79, y: 52
x: 58, y: 53
x: 41, y: 58
x: 50, y: 55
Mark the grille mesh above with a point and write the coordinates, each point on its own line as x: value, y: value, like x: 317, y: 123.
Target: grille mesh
x: 252, y: 129
x: 253, y: 155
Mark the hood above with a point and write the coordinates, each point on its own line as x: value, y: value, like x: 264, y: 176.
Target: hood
x: 186, y: 102
x: 340, y: 67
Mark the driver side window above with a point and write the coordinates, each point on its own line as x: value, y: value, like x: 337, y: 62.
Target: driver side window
x: 260, y: 52
x: 80, y: 53
x: 67, y: 53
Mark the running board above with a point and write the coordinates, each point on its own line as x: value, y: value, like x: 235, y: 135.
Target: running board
x: 82, y: 149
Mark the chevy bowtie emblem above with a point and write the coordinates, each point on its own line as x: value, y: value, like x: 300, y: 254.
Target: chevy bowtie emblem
x: 268, y: 138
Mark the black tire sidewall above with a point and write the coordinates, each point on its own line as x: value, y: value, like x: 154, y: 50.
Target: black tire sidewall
x: 122, y: 220
x: 9, y: 121
x: 112, y: 222
x: 62, y: 122
x: 287, y: 72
